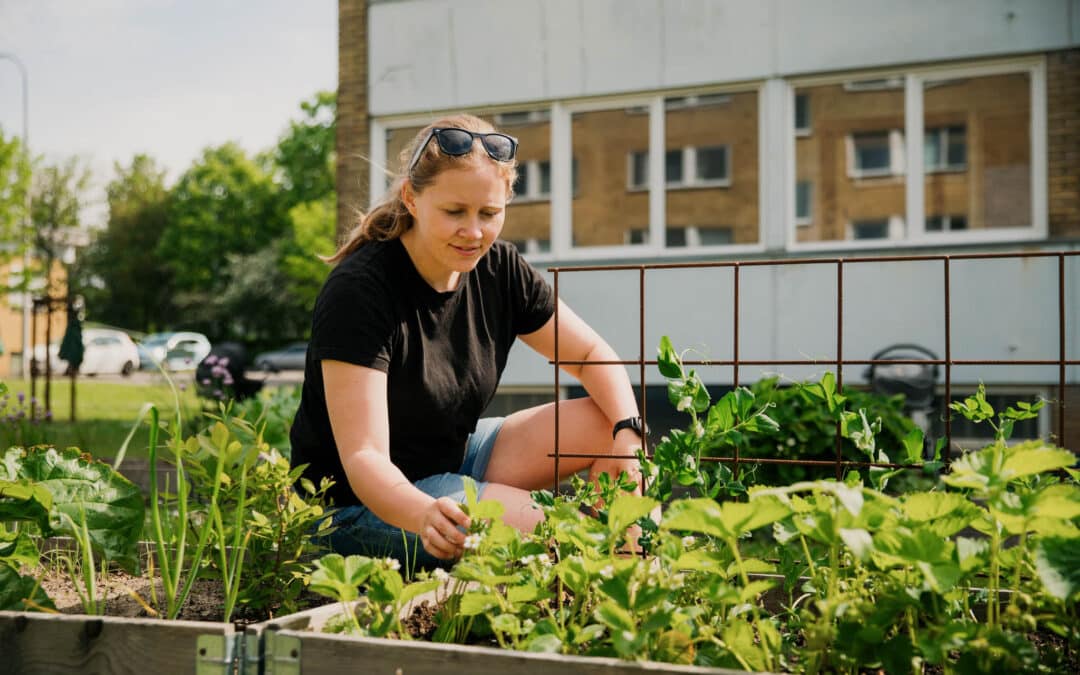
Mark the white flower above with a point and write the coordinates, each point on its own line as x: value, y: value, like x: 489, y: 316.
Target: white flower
x: 527, y: 559
x: 441, y: 574
x: 607, y: 572
x: 392, y: 564
x: 543, y: 559
x: 388, y: 609
x: 628, y: 636
x: 791, y: 442
x: 688, y: 540
x: 678, y: 580
x: 472, y: 542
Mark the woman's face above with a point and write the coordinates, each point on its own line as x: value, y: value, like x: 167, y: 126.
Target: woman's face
x: 457, y: 219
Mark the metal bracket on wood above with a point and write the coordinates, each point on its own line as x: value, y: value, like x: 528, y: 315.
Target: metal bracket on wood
x: 219, y: 654
x: 281, y: 654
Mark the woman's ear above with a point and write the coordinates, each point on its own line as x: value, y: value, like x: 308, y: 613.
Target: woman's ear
x: 408, y: 198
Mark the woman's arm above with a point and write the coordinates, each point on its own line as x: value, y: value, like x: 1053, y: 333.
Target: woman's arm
x: 359, y: 417
x: 608, y: 385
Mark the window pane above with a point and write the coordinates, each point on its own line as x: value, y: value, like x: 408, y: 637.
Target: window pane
x: 529, y: 219
x: 712, y: 163
x: 521, y: 185
x: 871, y: 229
x: 984, y: 171
x: 802, y: 112
x: 605, y: 207
x: 854, y: 160
x: 872, y: 151
x: 721, y: 190
x: 396, y: 157
x: 639, y: 169
x: 673, y: 166
x: 802, y: 200
x: 675, y: 237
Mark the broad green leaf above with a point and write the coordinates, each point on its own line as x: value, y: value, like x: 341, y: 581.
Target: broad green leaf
x: 573, y: 573
x: 626, y: 509
x: 25, y: 501
x: 18, y: 548
x: 528, y: 592
x: 338, y: 577
x: 506, y: 623
x: 593, y: 631
x: 1058, y: 563
x: 547, y: 643
x: 487, y: 509
x: 615, y: 617
x: 675, y: 646
x: 473, y: 603
x: 739, y: 638
x: 418, y: 588
x: 859, y: 541
x: 1026, y: 461
x: 726, y: 520
x: 15, y: 589
x: 470, y: 491
x: 385, y: 586
x: 79, y: 484
x: 944, y: 513
x: 1058, y: 501
x: 752, y: 590
x: 913, y: 446
x: 702, y: 559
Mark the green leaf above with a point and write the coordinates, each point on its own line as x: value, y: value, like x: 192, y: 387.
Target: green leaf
x: 528, y: 592
x: 470, y: 492
x: 15, y: 589
x: 1026, y: 461
x: 859, y: 541
x: 1058, y: 563
x: 668, y: 360
x: 488, y: 509
x: 547, y: 643
x: 25, y: 501
x: 626, y: 509
x: 506, y: 623
x: 573, y: 573
x: 615, y: 617
x: 591, y: 632
x: 739, y: 638
x: 726, y: 520
x: 338, y: 577
x: 79, y: 484
x: 473, y: 603
x: 913, y: 446
x: 418, y: 588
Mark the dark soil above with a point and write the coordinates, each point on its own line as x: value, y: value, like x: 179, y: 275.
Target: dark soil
x: 421, y: 622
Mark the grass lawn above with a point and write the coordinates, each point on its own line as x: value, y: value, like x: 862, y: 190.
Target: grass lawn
x: 105, y: 413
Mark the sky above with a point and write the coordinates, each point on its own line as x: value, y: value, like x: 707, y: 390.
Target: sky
x: 112, y: 78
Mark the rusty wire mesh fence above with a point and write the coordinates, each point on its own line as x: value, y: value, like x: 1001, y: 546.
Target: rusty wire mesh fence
x: 948, y: 362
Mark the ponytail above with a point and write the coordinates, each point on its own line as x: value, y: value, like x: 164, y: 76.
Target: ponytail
x: 388, y: 219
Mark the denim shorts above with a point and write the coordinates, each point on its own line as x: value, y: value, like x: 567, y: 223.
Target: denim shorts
x: 359, y: 531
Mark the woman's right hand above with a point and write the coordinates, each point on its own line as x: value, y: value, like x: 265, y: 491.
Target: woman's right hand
x: 439, y: 531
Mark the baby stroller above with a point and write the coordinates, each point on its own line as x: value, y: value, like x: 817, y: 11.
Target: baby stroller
x: 916, y: 381
x: 222, y: 374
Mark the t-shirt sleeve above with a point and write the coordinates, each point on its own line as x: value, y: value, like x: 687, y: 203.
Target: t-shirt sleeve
x: 353, y: 322
x: 530, y: 294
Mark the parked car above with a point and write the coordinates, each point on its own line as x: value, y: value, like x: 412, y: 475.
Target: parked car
x: 105, y: 352
x: 181, y: 350
x: 289, y: 357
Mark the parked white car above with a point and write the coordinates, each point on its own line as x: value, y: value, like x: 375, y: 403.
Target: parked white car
x: 105, y: 352
x: 175, y: 351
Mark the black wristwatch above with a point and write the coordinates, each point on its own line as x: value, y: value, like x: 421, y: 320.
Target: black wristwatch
x: 635, y: 423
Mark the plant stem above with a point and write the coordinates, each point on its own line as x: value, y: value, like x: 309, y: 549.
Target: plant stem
x: 734, y: 544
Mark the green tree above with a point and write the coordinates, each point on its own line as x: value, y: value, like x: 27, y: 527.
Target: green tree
x: 313, y: 231
x: 122, y: 277
x: 225, y: 204
x: 304, y: 155
x: 14, y: 183
x: 58, y: 195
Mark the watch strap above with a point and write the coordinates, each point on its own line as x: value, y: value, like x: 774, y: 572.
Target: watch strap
x: 635, y: 423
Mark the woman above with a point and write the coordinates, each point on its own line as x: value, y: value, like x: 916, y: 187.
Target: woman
x: 410, y: 335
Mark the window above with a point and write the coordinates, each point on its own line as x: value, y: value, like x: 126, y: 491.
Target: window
x: 803, y: 195
x: 802, y: 114
x: 675, y: 237
x: 940, y: 223
x: 712, y: 164
x: 871, y: 154
x: 694, y: 236
x: 533, y: 181
x: 638, y: 170
x: 870, y: 229
x: 637, y: 235
x: 531, y: 246
x: 945, y: 149
x: 880, y: 84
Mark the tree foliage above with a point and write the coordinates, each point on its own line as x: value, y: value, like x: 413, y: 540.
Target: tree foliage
x: 58, y: 195
x: 123, y: 279
x: 14, y: 183
x: 305, y: 153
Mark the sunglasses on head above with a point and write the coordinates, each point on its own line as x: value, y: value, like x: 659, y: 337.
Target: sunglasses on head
x: 457, y: 142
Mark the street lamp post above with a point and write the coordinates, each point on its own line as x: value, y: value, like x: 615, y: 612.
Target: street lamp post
x: 24, y: 366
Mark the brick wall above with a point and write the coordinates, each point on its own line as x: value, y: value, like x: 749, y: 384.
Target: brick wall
x: 1063, y: 140
x: 352, y: 110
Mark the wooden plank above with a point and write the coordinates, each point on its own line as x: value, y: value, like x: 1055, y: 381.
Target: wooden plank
x: 322, y: 654
x: 53, y: 644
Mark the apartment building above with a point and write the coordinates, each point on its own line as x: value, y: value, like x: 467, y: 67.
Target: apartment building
x: 698, y: 130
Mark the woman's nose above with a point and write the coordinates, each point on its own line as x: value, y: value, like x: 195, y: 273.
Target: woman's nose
x: 472, y: 229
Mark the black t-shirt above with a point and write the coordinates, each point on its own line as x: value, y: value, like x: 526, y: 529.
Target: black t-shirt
x: 443, y: 353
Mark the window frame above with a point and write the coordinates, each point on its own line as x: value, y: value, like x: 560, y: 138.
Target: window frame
x: 915, y: 80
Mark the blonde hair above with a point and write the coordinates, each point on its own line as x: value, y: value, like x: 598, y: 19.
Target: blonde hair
x: 389, y: 218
